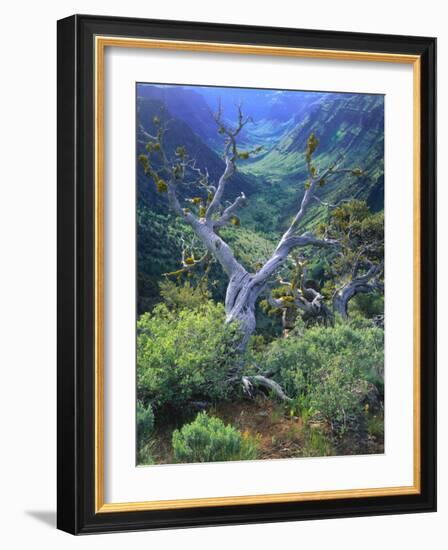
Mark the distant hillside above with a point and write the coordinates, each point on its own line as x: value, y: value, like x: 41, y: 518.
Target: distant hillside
x: 274, y: 180
x: 348, y: 124
x: 179, y: 133
x: 186, y: 105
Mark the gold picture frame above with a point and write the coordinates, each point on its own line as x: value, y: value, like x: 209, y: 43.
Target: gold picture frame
x: 97, y: 41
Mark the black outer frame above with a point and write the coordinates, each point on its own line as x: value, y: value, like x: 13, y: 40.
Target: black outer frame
x: 75, y: 404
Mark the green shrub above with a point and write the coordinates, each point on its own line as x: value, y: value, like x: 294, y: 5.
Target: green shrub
x: 300, y: 406
x: 316, y: 442
x: 375, y: 426
x: 338, y: 394
x: 184, y: 355
x: 145, y: 454
x: 208, y: 439
x: 145, y: 429
x: 181, y: 296
x: 367, y: 305
x: 327, y: 370
x: 145, y: 422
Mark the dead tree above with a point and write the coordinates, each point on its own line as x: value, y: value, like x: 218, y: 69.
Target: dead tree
x: 207, y: 215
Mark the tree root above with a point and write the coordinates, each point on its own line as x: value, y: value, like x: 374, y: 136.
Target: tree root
x: 260, y: 380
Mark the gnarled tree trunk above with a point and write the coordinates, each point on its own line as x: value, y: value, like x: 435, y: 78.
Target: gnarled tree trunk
x: 357, y: 285
x: 343, y: 296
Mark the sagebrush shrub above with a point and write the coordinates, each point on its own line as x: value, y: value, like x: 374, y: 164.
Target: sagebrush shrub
x: 182, y: 296
x: 328, y: 369
x: 145, y: 429
x: 208, y: 439
x: 145, y: 422
x: 184, y: 355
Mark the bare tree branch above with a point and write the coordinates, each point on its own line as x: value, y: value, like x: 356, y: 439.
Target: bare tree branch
x: 260, y: 380
x: 230, y: 156
x: 303, y: 297
x: 284, y: 247
x: 230, y: 211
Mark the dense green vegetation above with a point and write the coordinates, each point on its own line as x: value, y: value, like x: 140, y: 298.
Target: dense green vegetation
x: 208, y: 439
x: 184, y: 355
x: 201, y: 397
x: 328, y: 371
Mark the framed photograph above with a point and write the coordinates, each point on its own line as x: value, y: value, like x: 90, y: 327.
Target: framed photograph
x: 246, y: 274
